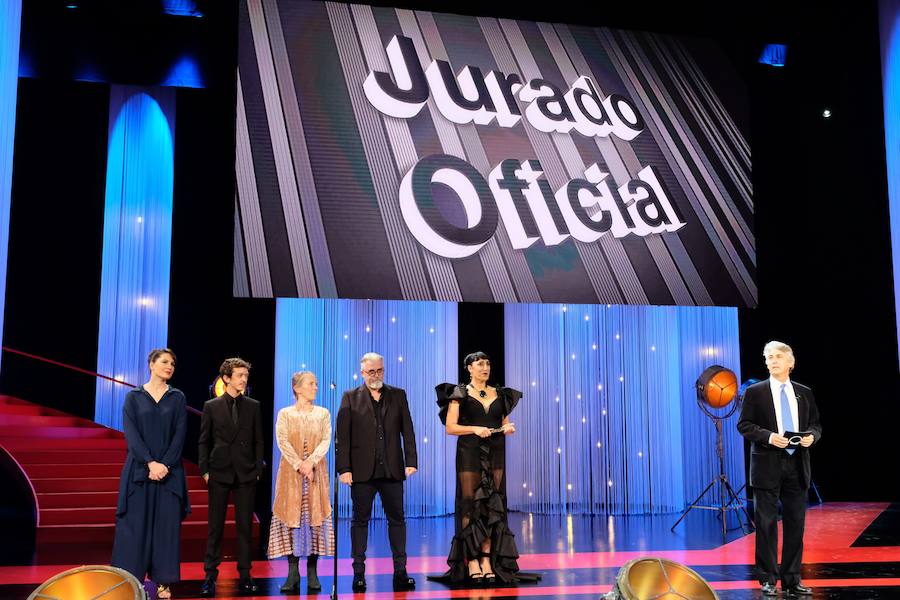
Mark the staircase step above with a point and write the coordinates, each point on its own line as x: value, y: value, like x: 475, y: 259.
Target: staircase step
x: 95, y: 515
x: 59, y: 433
x: 190, y: 530
x: 92, y: 484
x: 44, y: 457
x: 80, y: 499
x: 31, y: 444
x: 41, y: 421
x: 24, y: 409
x: 73, y: 469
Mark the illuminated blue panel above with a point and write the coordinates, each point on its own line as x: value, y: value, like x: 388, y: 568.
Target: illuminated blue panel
x: 10, y: 22
x: 184, y: 73
x: 609, y: 423
x: 181, y: 8
x: 890, y: 74
x: 419, y: 343
x: 137, y: 241
x: 774, y: 55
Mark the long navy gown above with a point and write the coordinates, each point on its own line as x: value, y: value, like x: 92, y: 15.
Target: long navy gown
x: 481, y: 488
x: 149, y: 513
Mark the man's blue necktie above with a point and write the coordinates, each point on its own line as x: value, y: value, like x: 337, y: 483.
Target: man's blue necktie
x: 786, y: 419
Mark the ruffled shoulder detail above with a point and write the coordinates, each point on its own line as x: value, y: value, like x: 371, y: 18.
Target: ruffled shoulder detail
x: 510, y: 398
x: 447, y: 392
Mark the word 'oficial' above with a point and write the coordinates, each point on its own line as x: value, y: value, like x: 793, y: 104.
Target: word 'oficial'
x: 472, y: 98
x: 587, y: 208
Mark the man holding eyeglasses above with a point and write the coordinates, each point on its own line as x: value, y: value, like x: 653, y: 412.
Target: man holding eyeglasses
x: 779, y: 416
x: 370, y: 424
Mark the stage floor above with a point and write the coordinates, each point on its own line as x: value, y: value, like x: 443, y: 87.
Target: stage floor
x: 852, y: 551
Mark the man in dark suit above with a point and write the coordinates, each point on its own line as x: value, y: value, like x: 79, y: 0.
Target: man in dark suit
x: 370, y: 423
x: 779, y: 467
x: 231, y: 460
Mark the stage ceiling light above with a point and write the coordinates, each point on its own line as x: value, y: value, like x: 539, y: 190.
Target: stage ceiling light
x: 774, y: 55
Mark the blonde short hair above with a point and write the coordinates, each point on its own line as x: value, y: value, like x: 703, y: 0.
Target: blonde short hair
x: 780, y: 347
x: 297, y: 378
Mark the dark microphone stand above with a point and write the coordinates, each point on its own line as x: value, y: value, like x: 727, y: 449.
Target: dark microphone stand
x: 334, y: 512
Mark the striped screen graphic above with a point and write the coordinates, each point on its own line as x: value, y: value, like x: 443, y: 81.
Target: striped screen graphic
x: 398, y: 154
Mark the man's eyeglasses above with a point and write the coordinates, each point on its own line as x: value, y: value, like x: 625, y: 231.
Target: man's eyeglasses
x: 374, y: 372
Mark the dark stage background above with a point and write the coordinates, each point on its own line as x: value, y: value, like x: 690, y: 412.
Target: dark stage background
x: 820, y: 193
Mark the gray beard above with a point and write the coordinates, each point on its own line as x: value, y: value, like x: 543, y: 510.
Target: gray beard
x: 375, y: 385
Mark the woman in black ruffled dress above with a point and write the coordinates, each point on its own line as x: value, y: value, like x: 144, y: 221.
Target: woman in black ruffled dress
x: 483, y: 550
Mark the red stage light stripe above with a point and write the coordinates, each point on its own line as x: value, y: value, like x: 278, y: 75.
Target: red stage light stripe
x: 834, y: 523
x: 580, y: 590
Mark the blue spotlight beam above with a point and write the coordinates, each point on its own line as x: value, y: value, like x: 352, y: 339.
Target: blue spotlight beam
x: 10, y: 25
x: 889, y: 17
x: 137, y: 240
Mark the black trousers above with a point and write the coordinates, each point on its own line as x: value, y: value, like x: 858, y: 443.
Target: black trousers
x: 363, y: 494
x: 793, y: 496
x: 244, y: 495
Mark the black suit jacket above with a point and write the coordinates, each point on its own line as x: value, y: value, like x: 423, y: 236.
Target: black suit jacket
x: 355, y: 439
x: 758, y: 421
x: 229, y: 449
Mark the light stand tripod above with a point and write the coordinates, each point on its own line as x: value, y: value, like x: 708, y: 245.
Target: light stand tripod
x: 728, y: 499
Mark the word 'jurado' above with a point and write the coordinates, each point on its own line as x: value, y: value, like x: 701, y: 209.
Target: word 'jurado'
x: 470, y: 97
x: 584, y: 208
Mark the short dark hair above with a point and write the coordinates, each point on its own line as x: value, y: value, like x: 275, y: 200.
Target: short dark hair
x: 475, y: 356
x: 157, y: 352
x: 230, y: 364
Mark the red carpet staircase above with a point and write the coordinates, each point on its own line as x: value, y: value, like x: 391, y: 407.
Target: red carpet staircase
x: 73, y: 466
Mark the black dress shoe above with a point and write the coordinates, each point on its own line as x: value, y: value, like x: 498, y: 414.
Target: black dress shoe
x: 208, y: 588
x: 403, y: 582
x: 795, y: 591
x: 248, y: 586
x: 359, y: 583
x: 769, y: 589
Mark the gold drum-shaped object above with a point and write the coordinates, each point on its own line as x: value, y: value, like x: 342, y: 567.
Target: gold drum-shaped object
x: 90, y: 582
x: 659, y: 579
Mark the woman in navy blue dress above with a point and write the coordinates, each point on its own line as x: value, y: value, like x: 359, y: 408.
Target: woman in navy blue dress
x: 153, y: 498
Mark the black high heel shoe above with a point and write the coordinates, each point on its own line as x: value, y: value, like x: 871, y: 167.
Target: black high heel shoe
x: 478, y: 576
x: 487, y: 578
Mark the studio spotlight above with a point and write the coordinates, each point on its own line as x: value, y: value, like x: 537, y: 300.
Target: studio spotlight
x: 90, y: 582
x: 652, y: 578
x: 716, y: 390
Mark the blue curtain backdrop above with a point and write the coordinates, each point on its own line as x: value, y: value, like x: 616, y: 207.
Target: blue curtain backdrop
x: 419, y: 343
x: 609, y: 422
x: 10, y: 23
x: 889, y: 17
x: 137, y: 240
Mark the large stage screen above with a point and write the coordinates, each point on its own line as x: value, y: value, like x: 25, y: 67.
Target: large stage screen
x: 397, y: 154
